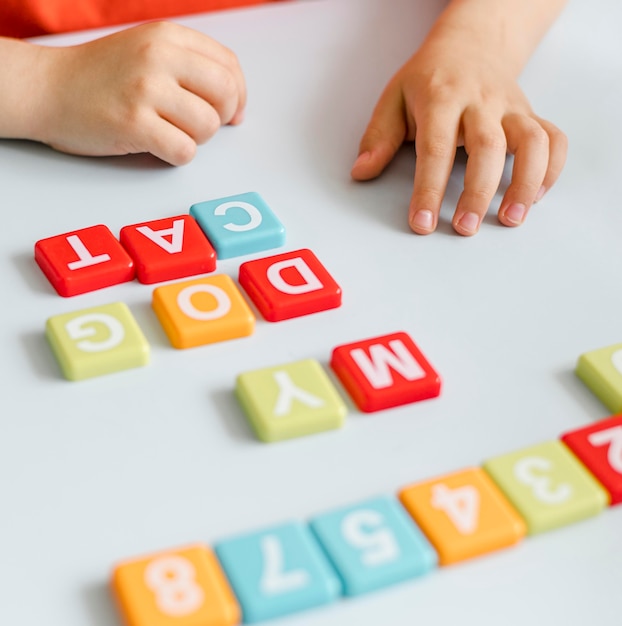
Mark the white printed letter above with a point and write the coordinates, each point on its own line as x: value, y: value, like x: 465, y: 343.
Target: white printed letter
x: 253, y: 214
x: 85, y: 257
x: 78, y: 328
x: 176, y: 233
x: 376, y: 365
x: 311, y: 281
x: 288, y: 392
x: 184, y: 302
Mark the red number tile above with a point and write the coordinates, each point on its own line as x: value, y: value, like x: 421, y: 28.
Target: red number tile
x: 599, y: 447
x: 384, y: 372
x: 84, y: 260
x: 167, y: 249
x: 289, y: 285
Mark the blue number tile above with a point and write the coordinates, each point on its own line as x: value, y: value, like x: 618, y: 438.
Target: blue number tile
x: 373, y: 544
x: 278, y: 571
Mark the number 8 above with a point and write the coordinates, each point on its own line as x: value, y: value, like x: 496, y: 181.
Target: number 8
x: 172, y: 579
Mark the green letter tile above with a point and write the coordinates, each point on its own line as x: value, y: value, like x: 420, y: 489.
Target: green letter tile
x: 97, y: 341
x: 291, y: 400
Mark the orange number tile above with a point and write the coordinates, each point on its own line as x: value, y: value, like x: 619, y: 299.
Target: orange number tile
x: 463, y: 515
x: 184, y: 587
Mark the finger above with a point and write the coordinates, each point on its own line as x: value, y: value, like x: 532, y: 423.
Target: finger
x: 210, y: 50
x: 435, y: 145
x: 558, y: 150
x: 485, y: 145
x: 211, y: 81
x: 384, y: 135
x: 193, y: 115
x: 529, y: 143
x: 165, y: 141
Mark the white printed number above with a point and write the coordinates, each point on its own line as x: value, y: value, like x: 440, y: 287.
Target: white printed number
x: 172, y: 580
x: 526, y: 471
x: 363, y: 530
x: 461, y: 506
x: 275, y: 579
x: 611, y: 437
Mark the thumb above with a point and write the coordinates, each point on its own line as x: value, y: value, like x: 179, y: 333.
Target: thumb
x: 384, y: 135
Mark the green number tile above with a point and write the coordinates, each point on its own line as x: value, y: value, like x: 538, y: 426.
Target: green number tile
x: 547, y: 485
x: 601, y: 371
x: 97, y: 341
x: 291, y: 400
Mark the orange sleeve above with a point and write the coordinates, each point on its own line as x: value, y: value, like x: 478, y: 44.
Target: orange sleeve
x: 29, y: 18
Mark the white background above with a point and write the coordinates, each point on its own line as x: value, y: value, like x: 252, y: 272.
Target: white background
x: 97, y: 471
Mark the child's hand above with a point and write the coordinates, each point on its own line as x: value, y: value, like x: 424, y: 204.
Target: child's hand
x: 158, y: 88
x: 450, y: 95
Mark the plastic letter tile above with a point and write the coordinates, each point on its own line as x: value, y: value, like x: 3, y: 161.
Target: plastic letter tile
x: 599, y: 447
x: 278, y: 571
x: 183, y: 587
x: 290, y: 400
x: 547, y: 485
x: 373, y: 544
x: 289, y: 285
x: 167, y: 249
x: 204, y: 310
x: 463, y: 514
x: 97, y: 341
x: 601, y: 371
x: 84, y: 260
x: 238, y: 225
x: 384, y: 372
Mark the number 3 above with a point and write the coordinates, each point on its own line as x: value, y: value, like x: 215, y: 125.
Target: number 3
x: 526, y: 472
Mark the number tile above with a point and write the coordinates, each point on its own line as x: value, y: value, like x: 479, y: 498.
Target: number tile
x: 599, y: 448
x: 547, y: 485
x: 97, y: 341
x: 181, y: 587
x: 278, y: 571
x: 463, y: 514
x: 373, y: 544
x: 239, y: 225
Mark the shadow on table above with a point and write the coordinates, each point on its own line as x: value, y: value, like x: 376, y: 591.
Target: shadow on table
x: 100, y: 605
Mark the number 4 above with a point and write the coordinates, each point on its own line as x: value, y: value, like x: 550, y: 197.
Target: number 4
x: 461, y: 506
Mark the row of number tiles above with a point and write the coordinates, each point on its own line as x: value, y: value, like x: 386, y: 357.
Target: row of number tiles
x: 160, y: 250
x: 379, y: 542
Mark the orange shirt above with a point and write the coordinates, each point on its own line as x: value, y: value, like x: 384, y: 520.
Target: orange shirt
x: 28, y: 18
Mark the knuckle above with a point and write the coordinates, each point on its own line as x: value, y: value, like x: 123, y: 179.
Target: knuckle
x: 489, y: 141
x: 435, y: 147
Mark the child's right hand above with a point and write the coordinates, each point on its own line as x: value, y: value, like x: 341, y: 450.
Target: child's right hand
x: 159, y: 88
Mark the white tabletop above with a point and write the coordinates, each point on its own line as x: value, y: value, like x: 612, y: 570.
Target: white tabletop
x: 152, y: 458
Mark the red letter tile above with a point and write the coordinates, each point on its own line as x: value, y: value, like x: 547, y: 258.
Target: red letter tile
x: 384, y: 372
x: 84, y: 260
x: 289, y: 285
x: 599, y: 448
x: 167, y: 249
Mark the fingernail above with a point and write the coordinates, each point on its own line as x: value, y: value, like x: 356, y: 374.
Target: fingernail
x: 515, y: 214
x: 362, y: 158
x: 423, y: 220
x: 540, y: 193
x: 469, y: 223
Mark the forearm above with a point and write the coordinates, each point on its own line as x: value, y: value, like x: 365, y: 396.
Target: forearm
x: 505, y: 31
x: 23, y: 77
